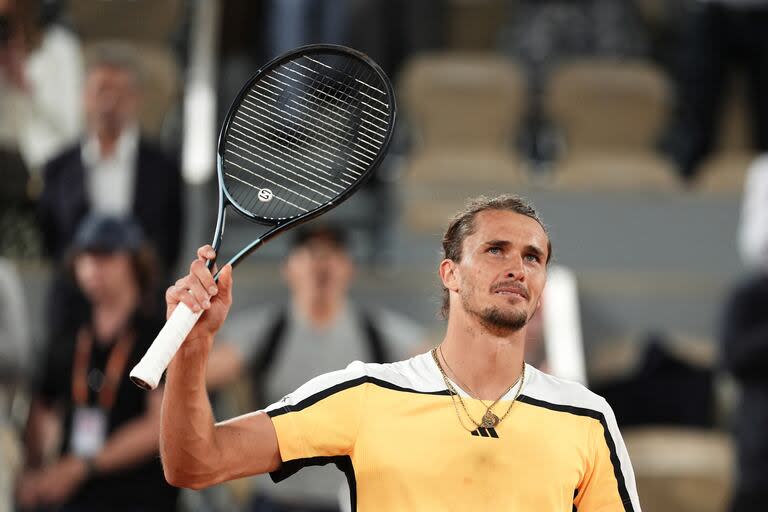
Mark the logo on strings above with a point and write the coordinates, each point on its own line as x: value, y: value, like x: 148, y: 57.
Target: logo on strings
x: 265, y: 195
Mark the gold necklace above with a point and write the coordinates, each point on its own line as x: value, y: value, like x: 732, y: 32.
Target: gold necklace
x: 472, y: 392
x: 490, y: 420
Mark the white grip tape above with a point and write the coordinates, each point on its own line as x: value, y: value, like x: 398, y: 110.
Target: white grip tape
x: 151, y: 367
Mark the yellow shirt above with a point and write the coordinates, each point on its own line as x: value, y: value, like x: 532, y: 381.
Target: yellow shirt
x: 394, y: 431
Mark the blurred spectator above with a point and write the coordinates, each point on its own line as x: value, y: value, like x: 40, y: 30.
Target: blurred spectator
x: 387, y: 30
x: 544, y: 33
x: 108, y: 459
x: 716, y: 37
x: 40, y: 81
x: 753, y: 230
x: 41, y: 74
x: 283, y: 346
x: 113, y: 170
x: 14, y: 329
x: 292, y: 23
x: 14, y: 362
x: 744, y: 347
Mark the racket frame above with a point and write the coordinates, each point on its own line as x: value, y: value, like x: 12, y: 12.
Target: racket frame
x: 225, y: 199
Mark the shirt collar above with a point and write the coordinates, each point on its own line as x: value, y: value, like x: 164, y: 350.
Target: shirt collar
x: 127, y: 143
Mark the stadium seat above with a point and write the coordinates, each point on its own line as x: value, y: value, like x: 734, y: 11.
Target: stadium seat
x: 723, y: 172
x: 464, y: 110
x: 617, y: 357
x: 680, y: 469
x: 145, y: 21
x: 610, y: 112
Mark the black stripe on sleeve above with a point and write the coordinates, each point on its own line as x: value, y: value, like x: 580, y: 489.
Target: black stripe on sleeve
x: 581, y: 411
x: 343, y: 462
x: 325, y: 393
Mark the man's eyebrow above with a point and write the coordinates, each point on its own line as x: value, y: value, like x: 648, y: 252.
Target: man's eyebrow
x: 534, y: 250
x: 500, y: 243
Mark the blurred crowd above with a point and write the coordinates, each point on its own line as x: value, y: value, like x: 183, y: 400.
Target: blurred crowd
x: 91, y: 132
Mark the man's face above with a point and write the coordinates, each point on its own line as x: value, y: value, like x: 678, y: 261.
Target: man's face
x: 111, y: 99
x: 502, y: 271
x: 103, y: 275
x: 319, y: 269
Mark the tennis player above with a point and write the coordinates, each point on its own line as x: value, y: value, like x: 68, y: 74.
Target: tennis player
x: 466, y: 426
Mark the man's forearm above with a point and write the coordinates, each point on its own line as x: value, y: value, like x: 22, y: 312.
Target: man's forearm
x: 187, y: 431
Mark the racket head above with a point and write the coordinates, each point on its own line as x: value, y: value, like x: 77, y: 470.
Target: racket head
x: 306, y: 131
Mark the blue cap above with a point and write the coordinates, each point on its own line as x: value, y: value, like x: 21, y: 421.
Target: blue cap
x: 105, y: 233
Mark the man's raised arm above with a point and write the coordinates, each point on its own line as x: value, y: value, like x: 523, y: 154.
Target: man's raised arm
x: 196, y: 452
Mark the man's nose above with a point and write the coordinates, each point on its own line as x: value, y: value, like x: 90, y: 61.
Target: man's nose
x: 515, y: 268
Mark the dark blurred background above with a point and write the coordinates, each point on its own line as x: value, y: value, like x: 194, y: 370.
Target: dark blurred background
x: 634, y: 126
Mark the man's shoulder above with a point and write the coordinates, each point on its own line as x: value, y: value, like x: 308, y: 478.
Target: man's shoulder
x: 65, y: 159
x: 554, y: 393
x: 411, y: 376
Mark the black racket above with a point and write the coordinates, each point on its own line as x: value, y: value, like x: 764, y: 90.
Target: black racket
x: 302, y: 135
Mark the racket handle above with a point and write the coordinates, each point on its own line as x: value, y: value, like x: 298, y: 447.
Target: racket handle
x: 150, y: 369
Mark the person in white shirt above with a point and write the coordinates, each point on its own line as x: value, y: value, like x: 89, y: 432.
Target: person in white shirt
x: 112, y: 171
x: 41, y: 76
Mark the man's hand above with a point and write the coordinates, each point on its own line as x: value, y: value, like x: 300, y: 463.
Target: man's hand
x: 200, y: 293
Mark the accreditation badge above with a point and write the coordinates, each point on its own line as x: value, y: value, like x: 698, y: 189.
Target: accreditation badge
x: 89, y: 431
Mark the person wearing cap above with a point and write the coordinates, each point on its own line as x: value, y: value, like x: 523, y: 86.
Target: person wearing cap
x: 109, y: 454
x: 284, y: 345
x: 113, y: 170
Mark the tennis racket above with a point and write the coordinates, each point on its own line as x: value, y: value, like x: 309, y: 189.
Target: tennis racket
x: 302, y: 135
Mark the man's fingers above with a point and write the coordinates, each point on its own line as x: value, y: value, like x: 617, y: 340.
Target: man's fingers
x: 199, y: 271
x: 189, y: 291
x: 206, y: 252
x: 180, y: 293
x: 225, y: 283
x: 196, y: 288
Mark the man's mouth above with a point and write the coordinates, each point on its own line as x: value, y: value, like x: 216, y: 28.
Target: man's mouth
x: 511, y: 290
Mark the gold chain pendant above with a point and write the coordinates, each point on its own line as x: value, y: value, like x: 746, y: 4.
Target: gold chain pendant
x: 490, y: 420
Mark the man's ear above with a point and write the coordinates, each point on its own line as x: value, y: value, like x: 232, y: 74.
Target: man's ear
x: 449, y: 274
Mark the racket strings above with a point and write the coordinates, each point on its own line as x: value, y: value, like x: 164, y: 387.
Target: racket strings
x: 304, y: 134
x: 282, y: 127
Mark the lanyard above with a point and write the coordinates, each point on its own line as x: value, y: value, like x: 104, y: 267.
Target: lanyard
x: 118, y: 357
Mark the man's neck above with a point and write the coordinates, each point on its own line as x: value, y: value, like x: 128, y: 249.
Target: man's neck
x: 107, y: 144
x: 485, y: 361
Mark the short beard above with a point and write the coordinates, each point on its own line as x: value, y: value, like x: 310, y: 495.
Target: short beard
x: 494, y: 319
x: 497, y: 320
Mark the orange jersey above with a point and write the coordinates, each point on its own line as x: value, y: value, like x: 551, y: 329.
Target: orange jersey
x: 394, y: 430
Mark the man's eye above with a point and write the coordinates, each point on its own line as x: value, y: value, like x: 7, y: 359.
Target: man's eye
x: 532, y: 257
x: 494, y: 250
